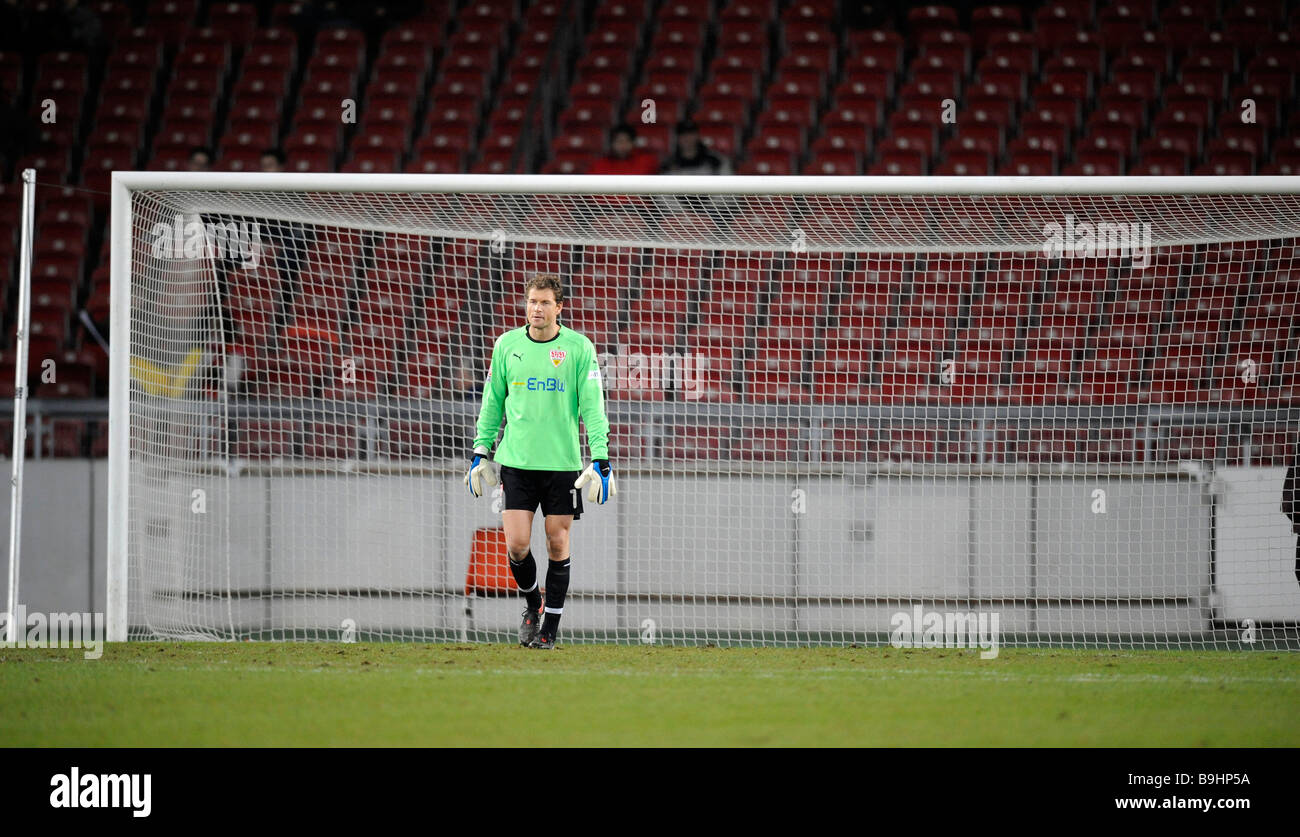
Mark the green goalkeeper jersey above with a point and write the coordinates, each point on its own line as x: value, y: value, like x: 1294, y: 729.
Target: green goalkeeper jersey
x: 542, y: 389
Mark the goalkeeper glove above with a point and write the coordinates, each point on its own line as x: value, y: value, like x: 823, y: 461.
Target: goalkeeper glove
x: 599, y: 477
x: 481, y: 474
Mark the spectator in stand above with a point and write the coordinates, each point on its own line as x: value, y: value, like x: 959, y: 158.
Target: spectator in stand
x: 286, y: 237
x: 50, y: 27
x: 200, y: 159
x: 80, y: 28
x: 313, y: 345
x: 693, y: 156
x: 623, y: 158
x: 272, y: 160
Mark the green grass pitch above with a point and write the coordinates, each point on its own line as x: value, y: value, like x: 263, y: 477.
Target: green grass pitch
x: 324, y: 694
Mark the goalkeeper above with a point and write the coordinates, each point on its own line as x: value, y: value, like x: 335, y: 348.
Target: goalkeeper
x: 543, y: 377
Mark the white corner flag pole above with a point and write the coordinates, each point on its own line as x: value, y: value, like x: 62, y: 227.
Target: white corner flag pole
x: 20, y: 398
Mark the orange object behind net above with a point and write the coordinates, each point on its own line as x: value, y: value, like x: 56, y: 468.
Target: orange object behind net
x: 489, y: 570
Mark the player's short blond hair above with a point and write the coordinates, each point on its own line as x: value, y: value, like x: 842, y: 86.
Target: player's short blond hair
x: 546, y: 282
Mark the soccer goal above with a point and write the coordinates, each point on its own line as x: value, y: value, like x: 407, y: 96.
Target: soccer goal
x: 920, y: 411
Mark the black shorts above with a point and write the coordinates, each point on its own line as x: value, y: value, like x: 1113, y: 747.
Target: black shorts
x: 525, y: 489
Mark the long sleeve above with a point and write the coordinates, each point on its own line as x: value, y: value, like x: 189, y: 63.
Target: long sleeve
x: 591, y: 406
x: 494, y: 397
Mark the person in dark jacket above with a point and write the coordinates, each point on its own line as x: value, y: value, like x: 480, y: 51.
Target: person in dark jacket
x: 1290, y: 497
x: 693, y: 156
x: 623, y: 157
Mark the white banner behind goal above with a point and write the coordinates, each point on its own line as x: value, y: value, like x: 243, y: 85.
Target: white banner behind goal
x: 842, y: 409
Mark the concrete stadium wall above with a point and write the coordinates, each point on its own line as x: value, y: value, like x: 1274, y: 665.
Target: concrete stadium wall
x: 1255, y: 566
x: 735, y: 541
x: 65, y: 535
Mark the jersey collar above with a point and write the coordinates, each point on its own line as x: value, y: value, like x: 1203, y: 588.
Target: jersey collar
x: 529, y: 334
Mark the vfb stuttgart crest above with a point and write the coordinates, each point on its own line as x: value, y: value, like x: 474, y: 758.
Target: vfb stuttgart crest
x: 557, y: 356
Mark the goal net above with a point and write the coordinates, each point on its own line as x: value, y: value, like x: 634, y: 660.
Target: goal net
x: 922, y: 411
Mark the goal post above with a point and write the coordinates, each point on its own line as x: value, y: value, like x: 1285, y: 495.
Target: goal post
x: 908, y: 410
x: 119, y: 409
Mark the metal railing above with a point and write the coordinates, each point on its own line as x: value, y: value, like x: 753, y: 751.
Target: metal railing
x: 967, y: 431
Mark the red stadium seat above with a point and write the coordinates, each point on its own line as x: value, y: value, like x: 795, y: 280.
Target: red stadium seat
x: 1048, y: 444
x: 1030, y: 163
x: 766, y: 444
x: 1240, y: 163
x: 899, y: 162
x: 843, y: 375
x: 691, y: 442
x: 768, y: 162
x: 1043, y: 135
x: 959, y: 162
x: 264, y: 439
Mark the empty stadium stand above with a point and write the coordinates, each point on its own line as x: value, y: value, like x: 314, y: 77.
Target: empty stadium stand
x: 780, y: 86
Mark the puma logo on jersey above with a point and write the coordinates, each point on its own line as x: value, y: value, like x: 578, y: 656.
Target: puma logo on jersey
x: 516, y: 355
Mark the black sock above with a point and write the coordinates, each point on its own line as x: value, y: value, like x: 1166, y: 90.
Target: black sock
x: 557, y: 587
x: 525, y: 573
